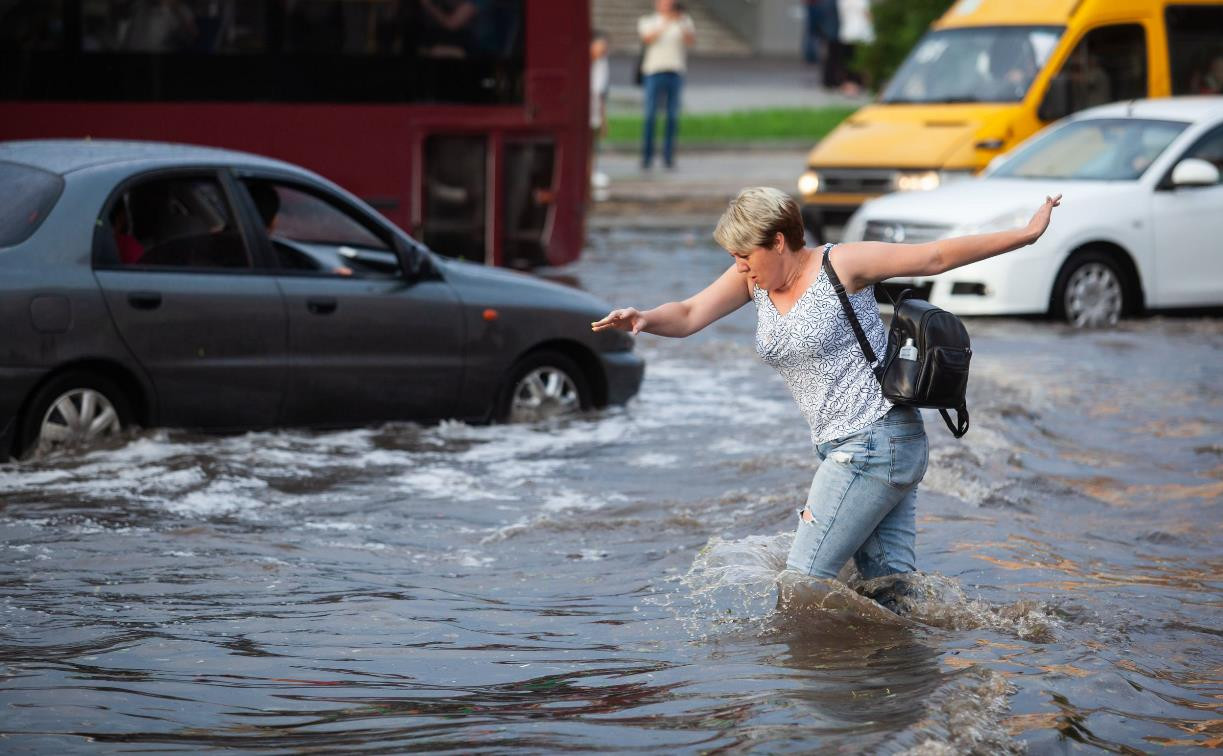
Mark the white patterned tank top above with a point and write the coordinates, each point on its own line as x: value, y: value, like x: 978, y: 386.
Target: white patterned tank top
x: 815, y: 350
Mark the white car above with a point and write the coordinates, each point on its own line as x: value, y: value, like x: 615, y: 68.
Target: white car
x: 1140, y: 226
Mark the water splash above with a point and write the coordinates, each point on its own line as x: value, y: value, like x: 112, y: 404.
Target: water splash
x: 745, y: 583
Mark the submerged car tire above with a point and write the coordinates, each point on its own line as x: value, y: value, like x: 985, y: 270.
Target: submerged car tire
x: 1092, y: 291
x: 75, y: 409
x: 543, y: 385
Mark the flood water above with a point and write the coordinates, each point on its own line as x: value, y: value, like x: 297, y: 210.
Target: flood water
x: 609, y: 583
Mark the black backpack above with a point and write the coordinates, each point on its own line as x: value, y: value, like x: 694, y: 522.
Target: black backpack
x: 927, y: 359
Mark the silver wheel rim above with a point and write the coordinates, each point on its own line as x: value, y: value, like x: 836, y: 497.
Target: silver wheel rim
x: 1093, y: 296
x: 78, y: 417
x: 543, y: 393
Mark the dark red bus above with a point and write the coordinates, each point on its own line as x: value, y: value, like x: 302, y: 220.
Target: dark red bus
x: 464, y: 121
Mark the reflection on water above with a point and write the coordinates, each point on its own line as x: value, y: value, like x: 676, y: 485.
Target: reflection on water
x: 613, y: 582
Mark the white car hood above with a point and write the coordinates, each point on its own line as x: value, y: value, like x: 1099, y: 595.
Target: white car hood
x: 977, y: 201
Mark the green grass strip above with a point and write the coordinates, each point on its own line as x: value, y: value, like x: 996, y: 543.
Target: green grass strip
x: 773, y: 124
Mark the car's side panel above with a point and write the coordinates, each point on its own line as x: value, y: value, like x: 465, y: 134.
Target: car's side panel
x: 371, y: 350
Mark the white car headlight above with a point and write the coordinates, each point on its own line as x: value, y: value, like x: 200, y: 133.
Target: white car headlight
x: 809, y: 183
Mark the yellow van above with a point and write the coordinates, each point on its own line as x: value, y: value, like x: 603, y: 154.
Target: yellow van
x: 990, y: 73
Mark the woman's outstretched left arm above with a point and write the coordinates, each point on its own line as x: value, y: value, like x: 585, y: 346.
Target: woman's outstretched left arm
x: 860, y: 264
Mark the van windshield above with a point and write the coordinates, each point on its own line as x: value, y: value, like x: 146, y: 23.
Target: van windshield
x: 1096, y: 149
x: 979, y: 64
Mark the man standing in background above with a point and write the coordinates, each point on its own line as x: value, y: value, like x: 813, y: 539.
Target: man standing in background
x: 666, y: 35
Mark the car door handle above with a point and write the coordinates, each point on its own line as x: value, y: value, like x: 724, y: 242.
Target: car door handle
x: 321, y: 306
x: 144, y: 300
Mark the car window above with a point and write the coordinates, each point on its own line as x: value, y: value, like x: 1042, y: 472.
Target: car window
x: 180, y: 222
x: 1209, y: 148
x: 1098, y: 149
x: 29, y: 194
x: 313, y: 234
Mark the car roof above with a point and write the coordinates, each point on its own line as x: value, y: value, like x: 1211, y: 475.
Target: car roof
x: 1192, y: 109
x: 64, y: 156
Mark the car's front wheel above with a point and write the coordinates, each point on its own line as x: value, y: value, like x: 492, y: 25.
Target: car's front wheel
x: 73, y: 410
x: 544, y: 385
x: 1090, y: 291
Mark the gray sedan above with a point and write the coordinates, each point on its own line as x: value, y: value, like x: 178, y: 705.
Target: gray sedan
x: 167, y: 285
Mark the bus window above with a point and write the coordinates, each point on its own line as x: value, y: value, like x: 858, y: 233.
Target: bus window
x: 528, y: 201
x: 455, y: 197
x: 169, y: 26
x: 1195, y: 49
x: 333, y: 51
x: 32, y: 25
x: 1108, y: 64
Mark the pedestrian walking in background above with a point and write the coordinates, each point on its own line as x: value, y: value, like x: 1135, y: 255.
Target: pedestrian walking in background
x: 600, y: 83
x: 666, y: 35
x: 854, y: 27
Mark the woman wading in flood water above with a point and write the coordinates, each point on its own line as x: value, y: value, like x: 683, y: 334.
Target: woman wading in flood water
x: 873, y: 455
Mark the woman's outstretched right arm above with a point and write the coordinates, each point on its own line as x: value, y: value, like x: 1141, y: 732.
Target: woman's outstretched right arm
x: 722, y: 297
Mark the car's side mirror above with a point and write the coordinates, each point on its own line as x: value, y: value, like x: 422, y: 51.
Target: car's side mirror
x: 1056, y: 104
x: 1194, y: 172
x: 413, y: 262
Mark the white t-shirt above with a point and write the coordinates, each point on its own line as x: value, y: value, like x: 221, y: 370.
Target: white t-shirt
x: 668, y: 52
x: 600, y: 78
x: 856, y: 25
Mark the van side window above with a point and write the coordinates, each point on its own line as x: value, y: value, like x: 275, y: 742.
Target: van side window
x: 1108, y: 64
x: 1195, y: 48
x: 182, y: 222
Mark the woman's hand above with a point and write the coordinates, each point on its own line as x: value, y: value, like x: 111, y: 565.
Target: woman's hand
x: 1036, y: 227
x: 624, y: 319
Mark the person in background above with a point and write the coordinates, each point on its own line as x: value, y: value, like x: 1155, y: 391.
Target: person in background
x: 130, y: 248
x: 666, y: 34
x: 854, y: 27
x: 600, y: 83
x: 1210, y: 81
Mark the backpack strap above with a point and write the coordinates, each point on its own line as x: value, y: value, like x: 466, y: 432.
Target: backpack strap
x: 960, y: 427
x: 839, y: 288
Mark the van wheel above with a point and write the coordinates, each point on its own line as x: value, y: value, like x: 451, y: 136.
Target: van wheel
x: 543, y: 385
x: 1091, y: 291
x: 73, y: 410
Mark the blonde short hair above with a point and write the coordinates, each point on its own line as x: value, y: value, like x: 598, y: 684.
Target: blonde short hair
x: 756, y: 216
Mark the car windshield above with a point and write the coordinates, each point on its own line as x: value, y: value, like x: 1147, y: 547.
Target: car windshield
x: 981, y: 64
x: 29, y: 194
x: 1098, y: 149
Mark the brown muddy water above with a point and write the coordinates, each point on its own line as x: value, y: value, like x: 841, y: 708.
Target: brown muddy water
x: 609, y: 583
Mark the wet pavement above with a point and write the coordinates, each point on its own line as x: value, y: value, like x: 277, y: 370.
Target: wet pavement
x: 609, y: 583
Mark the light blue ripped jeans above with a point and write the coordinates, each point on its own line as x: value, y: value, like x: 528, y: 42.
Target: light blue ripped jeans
x: 863, y: 500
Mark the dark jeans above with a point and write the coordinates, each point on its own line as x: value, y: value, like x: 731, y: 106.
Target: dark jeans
x: 665, y: 85
x: 813, y: 32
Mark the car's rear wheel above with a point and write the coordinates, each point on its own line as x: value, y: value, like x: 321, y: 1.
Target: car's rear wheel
x: 1091, y: 291
x: 544, y: 385
x: 73, y: 410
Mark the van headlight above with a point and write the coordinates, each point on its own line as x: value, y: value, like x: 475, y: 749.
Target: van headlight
x: 921, y: 181
x: 809, y: 183
x: 924, y: 181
